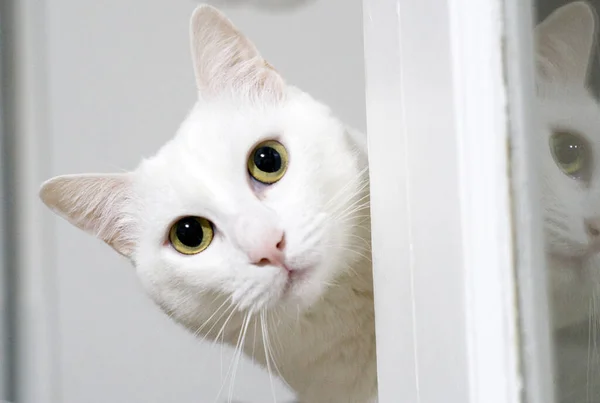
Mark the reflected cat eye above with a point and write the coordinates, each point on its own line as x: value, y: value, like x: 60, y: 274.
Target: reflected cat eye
x: 191, y: 235
x: 268, y: 162
x: 570, y: 152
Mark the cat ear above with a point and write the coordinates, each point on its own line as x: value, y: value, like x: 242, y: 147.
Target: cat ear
x: 564, y: 43
x: 97, y: 204
x: 225, y: 61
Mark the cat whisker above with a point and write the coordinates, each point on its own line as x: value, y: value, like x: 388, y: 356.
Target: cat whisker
x: 365, y: 243
x: 277, y: 337
x: 207, y: 321
x: 222, y: 330
x: 557, y: 234
x: 362, y: 218
x: 361, y: 179
x: 221, y: 334
x: 351, y: 269
x: 230, y: 307
x: 254, y: 341
x: 262, y: 326
x: 271, y: 355
x: 314, y: 231
x: 344, y: 188
x: 231, y: 364
x: 356, y: 205
x: 351, y: 250
x: 364, y: 248
x: 349, y: 213
x: 556, y: 223
x: 556, y: 212
x: 239, y: 349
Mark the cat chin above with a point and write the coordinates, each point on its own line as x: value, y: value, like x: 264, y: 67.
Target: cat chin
x: 298, y: 287
x: 303, y: 290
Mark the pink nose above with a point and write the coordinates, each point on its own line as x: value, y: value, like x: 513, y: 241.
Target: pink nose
x: 269, y: 251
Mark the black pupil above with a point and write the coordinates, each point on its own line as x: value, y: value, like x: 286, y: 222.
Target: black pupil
x: 569, y: 151
x: 267, y: 159
x: 189, y: 232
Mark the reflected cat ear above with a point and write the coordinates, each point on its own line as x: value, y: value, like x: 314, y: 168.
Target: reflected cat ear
x: 97, y: 204
x: 226, y: 62
x: 565, y: 42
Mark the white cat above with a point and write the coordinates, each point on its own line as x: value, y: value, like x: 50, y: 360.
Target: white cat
x: 251, y: 226
x: 570, y: 151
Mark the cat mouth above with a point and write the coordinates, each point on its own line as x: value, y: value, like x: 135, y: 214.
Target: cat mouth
x: 571, y: 250
x: 295, y: 276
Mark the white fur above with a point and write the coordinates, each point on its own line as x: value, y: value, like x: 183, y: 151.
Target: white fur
x: 316, y: 332
x: 564, y: 47
x: 269, y: 4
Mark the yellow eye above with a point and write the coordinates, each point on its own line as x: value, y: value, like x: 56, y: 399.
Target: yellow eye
x: 191, y: 235
x: 570, y: 153
x: 268, y: 162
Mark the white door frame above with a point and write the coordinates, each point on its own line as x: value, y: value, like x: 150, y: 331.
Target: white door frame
x: 447, y: 131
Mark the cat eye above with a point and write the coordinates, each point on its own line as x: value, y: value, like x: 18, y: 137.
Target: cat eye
x: 570, y: 152
x: 191, y: 235
x: 268, y: 162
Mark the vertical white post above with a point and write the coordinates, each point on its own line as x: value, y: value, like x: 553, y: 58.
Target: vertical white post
x: 442, y: 213
x: 390, y: 222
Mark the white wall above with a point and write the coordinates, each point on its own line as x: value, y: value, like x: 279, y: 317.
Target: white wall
x: 119, y: 83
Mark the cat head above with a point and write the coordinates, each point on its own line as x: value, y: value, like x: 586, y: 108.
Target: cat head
x: 256, y: 199
x: 570, y: 131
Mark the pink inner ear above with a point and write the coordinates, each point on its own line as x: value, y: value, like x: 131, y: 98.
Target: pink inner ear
x: 95, y: 203
x: 226, y: 62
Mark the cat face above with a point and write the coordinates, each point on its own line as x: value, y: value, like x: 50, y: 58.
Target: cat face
x: 270, y: 241
x: 569, y: 132
x: 256, y: 199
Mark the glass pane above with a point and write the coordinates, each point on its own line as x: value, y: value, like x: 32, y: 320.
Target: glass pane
x: 4, y: 275
x: 568, y: 156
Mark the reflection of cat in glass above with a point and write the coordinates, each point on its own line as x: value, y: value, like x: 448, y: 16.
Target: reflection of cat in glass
x: 570, y: 119
x: 251, y: 226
